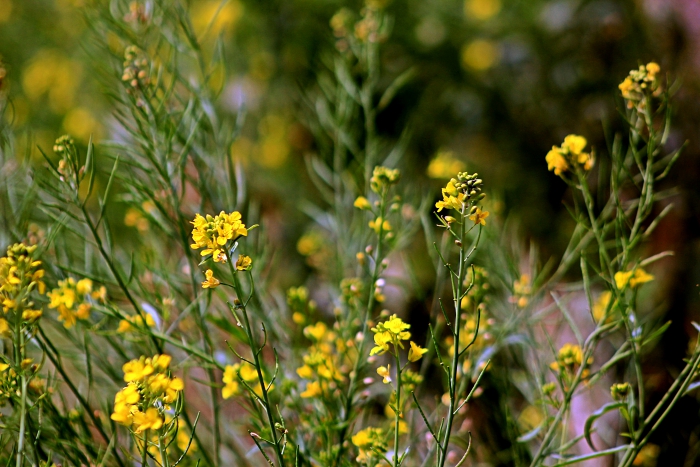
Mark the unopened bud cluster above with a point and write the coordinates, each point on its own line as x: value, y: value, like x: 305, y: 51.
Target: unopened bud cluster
x: 463, y: 190
x: 135, y: 73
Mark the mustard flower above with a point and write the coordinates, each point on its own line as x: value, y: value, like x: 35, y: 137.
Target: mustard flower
x: 362, y: 203
x: 313, y: 389
x: 213, y: 232
x: 211, y: 282
x: 632, y: 278
x: 460, y: 191
x: 385, y: 372
x: 391, y: 331
x: 416, y: 352
x: 479, y: 216
x: 379, y: 224
x: 70, y: 300
x: 244, y: 263
x: 638, y: 82
x: 570, y: 154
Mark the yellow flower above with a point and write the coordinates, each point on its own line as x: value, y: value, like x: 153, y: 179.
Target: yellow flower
x: 313, y: 389
x: 365, y: 438
x: 416, y: 352
x: 379, y: 225
x: 362, y: 203
x: 136, y: 370
x: 149, y: 420
x: 231, y: 386
x: 211, y: 282
x: 244, y: 263
x: 384, y: 372
x: 391, y: 331
x: 212, y: 233
x: 574, y: 144
x: 305, y: 372
x: 4, y: 327
x: 601, y: 305
x: 479, y: 216
x: 556, y: 161
x: 632, y: 278
x: 444, y: 165
x: 316, y: 331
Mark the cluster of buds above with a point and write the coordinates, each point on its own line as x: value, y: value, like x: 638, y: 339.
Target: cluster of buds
x: 569, y: 360
x: 135, y: 73
x: 383, y: 178
x: 142, y: 404
x: 371, y: 443
x: 20, y: 275
x: 639, y: 84
x: 461, y: 192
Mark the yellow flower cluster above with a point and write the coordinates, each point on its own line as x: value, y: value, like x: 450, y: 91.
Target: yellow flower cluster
x: 322, y: 362
x: 640, y: 81
x: 392, y: 332
x: 70, y: 300
x: 459, y: 192
x: 20, y: 275
x: 383, y: 178
x: 371, y: 443
x: 213, y: 232
x: 230, y: 379
x: 569, y: 360
x: 570, y: 154
x: 143, y: 402
x: 632, y: 278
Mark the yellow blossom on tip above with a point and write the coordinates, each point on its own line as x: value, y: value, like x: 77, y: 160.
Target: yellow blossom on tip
x: 600, y: 307
x: 574, y: 143
x: 213, y: 232
x: 211, y: 282
x: 479, y: 216
x: 384, y: 372
x: 313, y: 389
x: 231, y: 386
x: 244, y: 263
x: 365, y: 438
x: 362, y: 203
x: 416, y: 352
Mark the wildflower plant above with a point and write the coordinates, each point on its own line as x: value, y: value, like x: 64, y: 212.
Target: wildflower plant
x: 180, y: 342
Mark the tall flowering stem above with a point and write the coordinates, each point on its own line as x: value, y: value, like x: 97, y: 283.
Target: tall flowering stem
x: 461, y: 195
x: 217, y: 237
x: 381, y: 182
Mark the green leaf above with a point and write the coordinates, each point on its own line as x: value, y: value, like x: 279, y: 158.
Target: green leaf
x: 596, y: 415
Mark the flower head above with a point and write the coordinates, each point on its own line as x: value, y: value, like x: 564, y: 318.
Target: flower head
x: 385, y: 373
x: 479, y: 216
x: 244, y: 263
x: 391, y: 331
x: 212, y: 233
x: 211, y: 282
x: 416, y: 352
x: 561, y: 159
x: 460, y: 191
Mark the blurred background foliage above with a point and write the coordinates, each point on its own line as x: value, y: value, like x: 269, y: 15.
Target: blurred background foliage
x: 495, y: 83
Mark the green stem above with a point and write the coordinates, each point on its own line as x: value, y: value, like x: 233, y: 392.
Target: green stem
x: 256, y: 359
x: 397, y: 411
